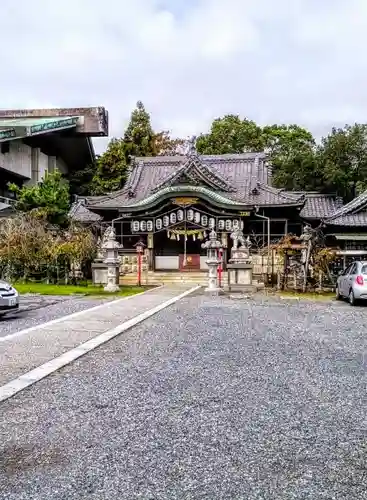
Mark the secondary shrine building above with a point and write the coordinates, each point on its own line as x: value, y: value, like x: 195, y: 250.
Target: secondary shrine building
x: 172, y: 202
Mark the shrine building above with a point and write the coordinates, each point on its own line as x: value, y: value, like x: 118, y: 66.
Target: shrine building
x: 172, y: 202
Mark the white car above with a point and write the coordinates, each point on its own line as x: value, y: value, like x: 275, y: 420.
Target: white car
x: 352, y: 283
x: 9, y: 298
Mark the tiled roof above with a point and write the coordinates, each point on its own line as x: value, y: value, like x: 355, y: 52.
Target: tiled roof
x: 238, y: 179
x: 354, y: 220
x: 319, y: 206
x: 353, y: 213
x: 80, y: 213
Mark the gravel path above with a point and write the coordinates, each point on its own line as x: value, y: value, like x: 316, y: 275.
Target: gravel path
x: 210, y: 399
x: 38, y: 309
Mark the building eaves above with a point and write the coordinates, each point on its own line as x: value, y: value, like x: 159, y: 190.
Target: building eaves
x: 79, y: 212
x: 358, y: 204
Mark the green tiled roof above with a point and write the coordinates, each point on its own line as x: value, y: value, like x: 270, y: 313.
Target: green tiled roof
x: 15, y: 128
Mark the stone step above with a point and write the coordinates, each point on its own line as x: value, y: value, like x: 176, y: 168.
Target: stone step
x: 158, y: 278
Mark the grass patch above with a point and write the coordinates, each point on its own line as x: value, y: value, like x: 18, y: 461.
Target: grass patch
x: 91, y: 290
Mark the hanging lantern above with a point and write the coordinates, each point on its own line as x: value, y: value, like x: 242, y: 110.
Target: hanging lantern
x: 143, y: 225
x: 150, y: 225
x: 221, y: 224
x: 228, y: 225
x: 136, y: 226
x: 197, y: 217
x: 180, y: 215
x: 190, y: 214
x: 166, y: 220
x: 204, y: 220
x: 212, y: 223
x: 173, y: 218
x: 158, y: 224
x: 236, y: 224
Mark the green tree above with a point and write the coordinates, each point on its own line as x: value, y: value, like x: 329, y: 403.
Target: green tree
x: 291, y: 148
x: 50, y: 199
x: 111, y: 168
x: 163, y: 145
x: 298, y: 171
x: 231, y: 134
x: 284, y: 140
x: 343, y: 155
x: 293, y: 155
x: 139, y: 135
x: 81, y: 181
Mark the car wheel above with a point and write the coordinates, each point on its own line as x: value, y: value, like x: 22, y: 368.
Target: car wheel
x: 352, y: 300
x: 337, y: 294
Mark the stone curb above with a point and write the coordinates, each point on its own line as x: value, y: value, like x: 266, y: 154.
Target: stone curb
x: 14, y: 386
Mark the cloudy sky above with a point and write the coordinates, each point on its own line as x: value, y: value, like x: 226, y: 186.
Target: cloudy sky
x: 189, y: 61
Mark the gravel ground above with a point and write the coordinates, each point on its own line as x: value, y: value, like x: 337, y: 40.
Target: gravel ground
x: 210, y: 399
x: 38, y: 309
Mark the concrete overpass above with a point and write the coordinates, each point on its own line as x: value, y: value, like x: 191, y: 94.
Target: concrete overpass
x: 36, y: 141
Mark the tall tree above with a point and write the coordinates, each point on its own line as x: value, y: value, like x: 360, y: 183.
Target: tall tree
x: 139, y: 139
x: 50, y: 199
x: 300, y: 170
x: 81, y: 181
x: 231, y: 134
x: 343, y: 155
x: 111, y: 168
x: 163, y: 145
x: 293, y: 155
x: 291, y: 148
x: 283, y: 140
x: 139, y: 135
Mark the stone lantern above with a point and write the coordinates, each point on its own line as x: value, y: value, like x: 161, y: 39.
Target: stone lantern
x: 111, y: 247
x: 213, y: 245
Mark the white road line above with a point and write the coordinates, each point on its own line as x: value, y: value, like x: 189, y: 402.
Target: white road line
x: 27, y: 379
x: 73, y: 315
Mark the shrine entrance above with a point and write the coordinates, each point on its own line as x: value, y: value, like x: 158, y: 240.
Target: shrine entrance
x: 179, y: 248
x: 174, y: 238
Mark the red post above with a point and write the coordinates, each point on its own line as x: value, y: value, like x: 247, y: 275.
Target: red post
x: 139, y: 269
x: 220, y: 269
x: 139, y: 250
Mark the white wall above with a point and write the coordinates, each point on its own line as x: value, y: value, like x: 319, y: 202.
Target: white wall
x: 18, y: 160
x: 166, y: 262
x: 42, y: 166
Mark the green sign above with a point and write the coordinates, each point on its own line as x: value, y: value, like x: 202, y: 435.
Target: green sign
x: 42, y: 127
x: 7, y: 134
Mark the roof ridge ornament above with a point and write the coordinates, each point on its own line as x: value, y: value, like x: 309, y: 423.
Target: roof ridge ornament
x: 191, y: 147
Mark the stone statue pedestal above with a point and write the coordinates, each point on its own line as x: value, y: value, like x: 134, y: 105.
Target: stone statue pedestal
x: 212, y: 246
x: 240, y: 270
x: 107, y: 272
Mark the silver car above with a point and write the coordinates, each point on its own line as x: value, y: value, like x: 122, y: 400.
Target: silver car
x: 9, y: 298
x: 352, y: 282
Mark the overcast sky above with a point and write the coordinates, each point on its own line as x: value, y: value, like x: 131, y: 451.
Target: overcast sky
x: 189, y: 61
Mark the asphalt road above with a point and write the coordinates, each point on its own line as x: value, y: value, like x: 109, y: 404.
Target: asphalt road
x: 37, y: 309
x: 210, y: 399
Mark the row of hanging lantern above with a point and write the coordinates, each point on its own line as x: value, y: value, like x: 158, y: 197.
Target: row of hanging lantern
x: 179, y: 216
